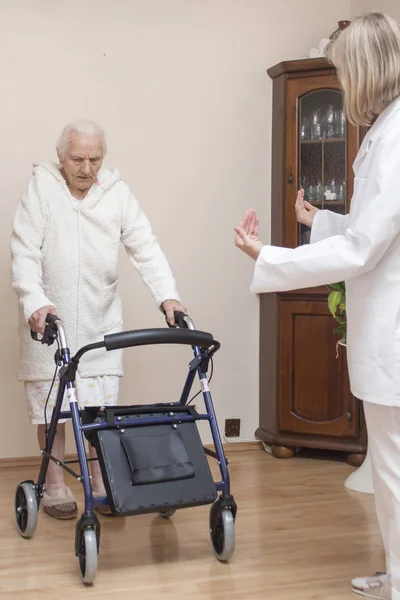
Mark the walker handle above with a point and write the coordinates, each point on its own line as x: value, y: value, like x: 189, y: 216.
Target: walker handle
x: 179, y: 317
x: 145, y: 337
x: 50, y: 331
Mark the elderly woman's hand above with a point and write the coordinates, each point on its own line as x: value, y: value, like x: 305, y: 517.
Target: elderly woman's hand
x: 37, y: 321
x: 247, y: 235
x: 171, y: 306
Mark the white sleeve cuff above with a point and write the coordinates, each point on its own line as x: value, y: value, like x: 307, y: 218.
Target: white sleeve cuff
x: 267, y: 278
x: 32, y: 303
x: 326, y: 224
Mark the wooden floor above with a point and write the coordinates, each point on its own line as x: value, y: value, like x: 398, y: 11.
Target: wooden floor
x: 299, y: 535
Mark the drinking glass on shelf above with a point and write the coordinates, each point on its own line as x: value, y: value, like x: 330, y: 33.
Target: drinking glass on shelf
x: 330, y: 122
x: 333, y: 189
x: 342, y: 128
x: 319, y: 191
x: 305, y: 129
x: 311, y: 193
x: 337, y: 127
x: 342, y: 191
x: 316, y: 129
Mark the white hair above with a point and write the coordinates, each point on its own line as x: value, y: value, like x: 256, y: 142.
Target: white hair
x: 80, y: 126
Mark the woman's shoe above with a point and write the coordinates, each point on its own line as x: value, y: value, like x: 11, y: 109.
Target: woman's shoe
x: 60, y: 505
x: 377, y: 586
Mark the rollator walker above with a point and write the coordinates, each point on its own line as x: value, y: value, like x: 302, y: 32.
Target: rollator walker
x: 151, y: 456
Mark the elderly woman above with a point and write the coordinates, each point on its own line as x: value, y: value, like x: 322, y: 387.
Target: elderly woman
x: 362, y: 248
x: 67, y: 231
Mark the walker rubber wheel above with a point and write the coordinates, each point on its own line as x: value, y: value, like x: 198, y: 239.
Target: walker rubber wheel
x: 87, y: 556
x: 26, y: 509
x: 167, y: 514
x: 222, y: 532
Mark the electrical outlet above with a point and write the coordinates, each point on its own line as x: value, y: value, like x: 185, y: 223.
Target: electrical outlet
x: 232, y: 427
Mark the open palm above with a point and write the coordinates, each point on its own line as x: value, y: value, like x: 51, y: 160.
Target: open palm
x: 247, y: 234
x: 305, y: 212
x: 250, y: 225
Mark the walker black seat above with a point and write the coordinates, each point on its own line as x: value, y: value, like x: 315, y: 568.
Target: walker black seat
x: 151, y: 468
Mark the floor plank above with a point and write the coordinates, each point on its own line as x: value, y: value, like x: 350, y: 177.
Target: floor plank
x: 299, y: 534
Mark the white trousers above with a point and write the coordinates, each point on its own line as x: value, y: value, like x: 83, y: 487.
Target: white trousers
x: 91, y: 391
x: 383, y: 425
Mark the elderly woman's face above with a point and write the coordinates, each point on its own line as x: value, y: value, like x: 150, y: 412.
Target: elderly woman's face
x: 82, y: 161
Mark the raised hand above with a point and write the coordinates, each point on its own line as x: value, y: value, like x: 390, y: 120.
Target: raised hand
x: 305, y: 212
x: 247, y: 234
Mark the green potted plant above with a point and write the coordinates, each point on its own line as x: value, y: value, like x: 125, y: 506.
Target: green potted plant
x: 337, y: 307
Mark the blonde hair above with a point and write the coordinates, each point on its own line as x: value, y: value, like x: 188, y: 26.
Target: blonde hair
x: 367, y: 58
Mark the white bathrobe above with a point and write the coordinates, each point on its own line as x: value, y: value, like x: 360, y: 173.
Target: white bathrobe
x: 362, y: 248
x: 65, y: 253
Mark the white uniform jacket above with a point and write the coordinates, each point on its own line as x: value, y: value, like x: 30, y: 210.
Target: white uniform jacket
x: 363, y: 249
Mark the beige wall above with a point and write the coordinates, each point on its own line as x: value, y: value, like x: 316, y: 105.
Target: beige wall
x: 391, y: 7
x: 181, y: 88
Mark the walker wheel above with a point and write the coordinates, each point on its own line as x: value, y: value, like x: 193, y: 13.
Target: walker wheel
x: 167, y: 514
x: 87, y: 556
x: 26, y: 509
x: 223, y: 534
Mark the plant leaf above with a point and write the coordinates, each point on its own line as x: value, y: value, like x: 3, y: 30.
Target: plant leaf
x: 339, y: 287
x: 334, y: 300
x: 341, y: 330
x: 340, y: 320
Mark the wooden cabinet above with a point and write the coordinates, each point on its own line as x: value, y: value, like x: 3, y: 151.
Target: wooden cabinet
x: 305, y: 400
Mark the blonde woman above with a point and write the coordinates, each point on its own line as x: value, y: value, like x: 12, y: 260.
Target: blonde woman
x: 362, y: 248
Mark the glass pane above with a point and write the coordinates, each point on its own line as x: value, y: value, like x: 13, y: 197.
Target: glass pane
x: 305, y: 233
x: 322, y: 153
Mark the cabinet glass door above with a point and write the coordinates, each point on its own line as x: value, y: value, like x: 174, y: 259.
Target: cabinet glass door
x: 322, y: 152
